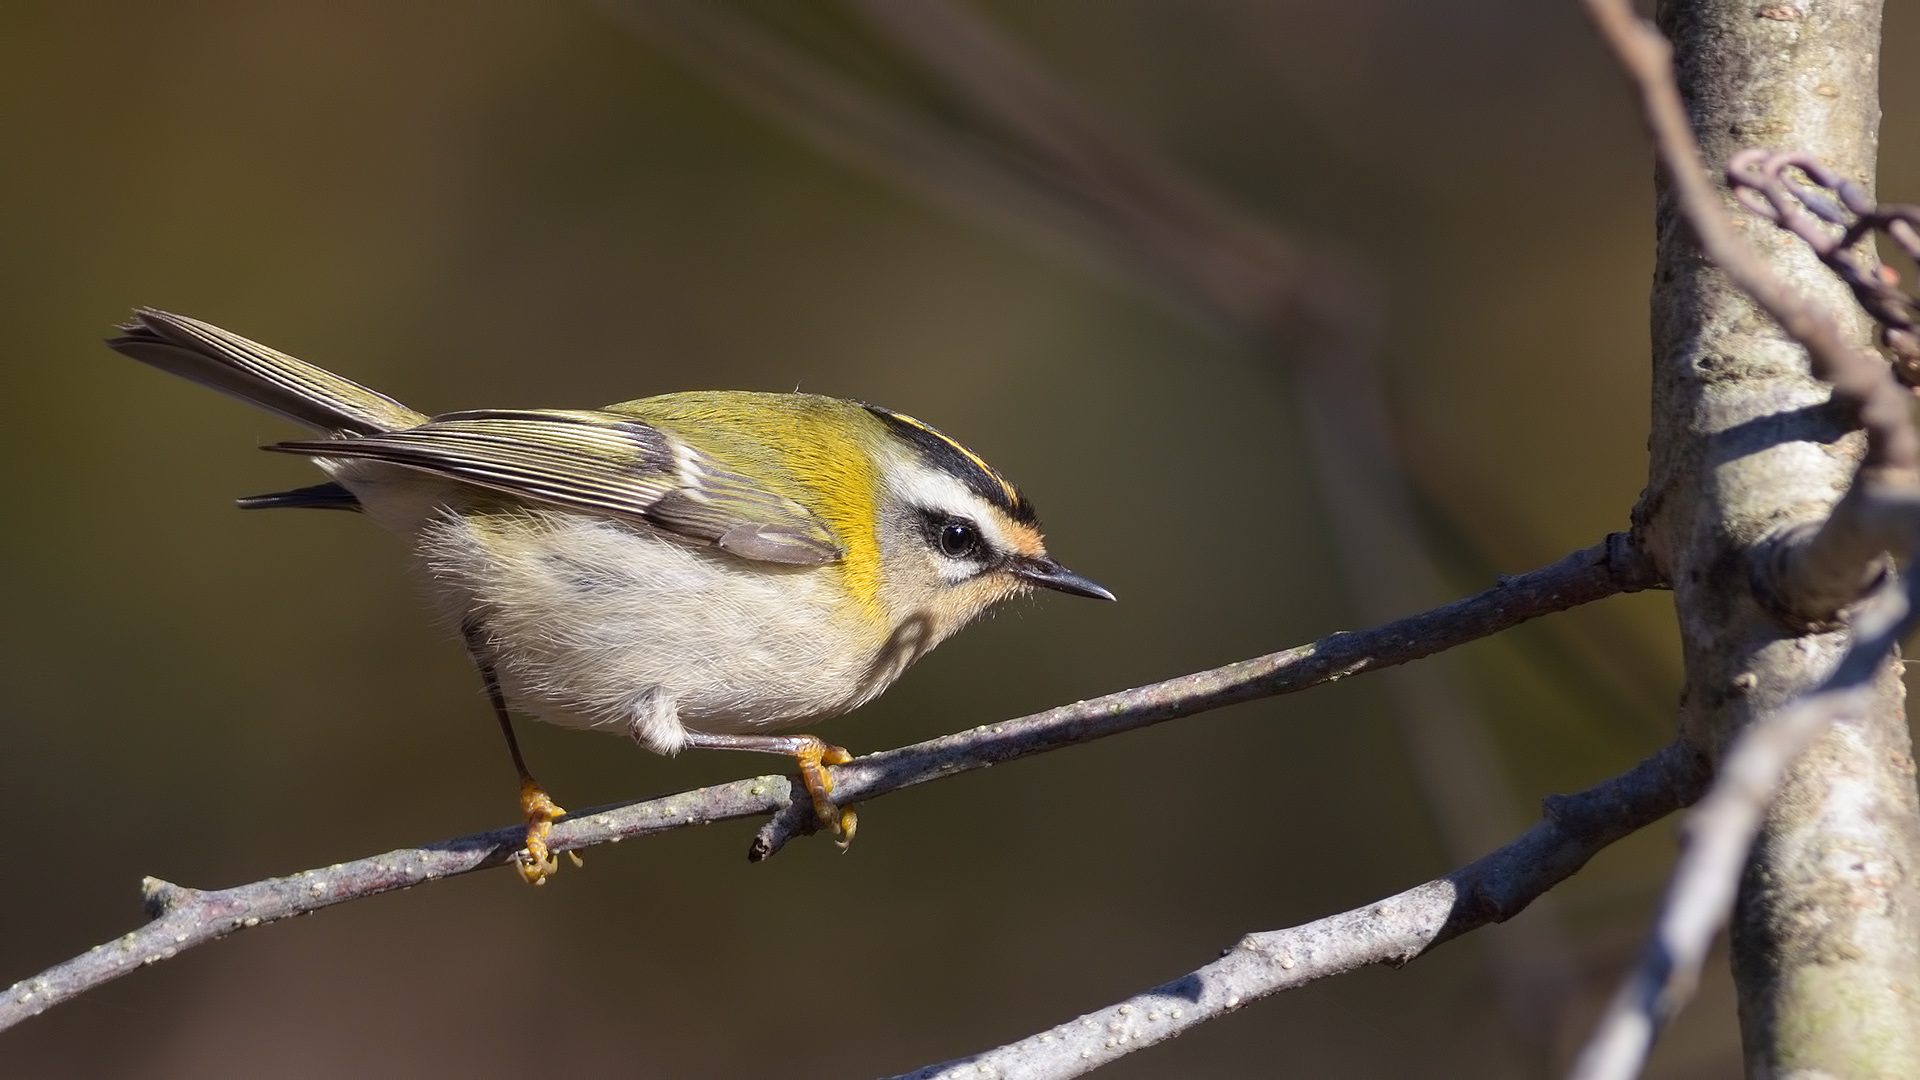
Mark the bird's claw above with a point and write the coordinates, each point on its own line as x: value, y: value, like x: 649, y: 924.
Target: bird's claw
x: 813, y: 759
x: 536, y: 862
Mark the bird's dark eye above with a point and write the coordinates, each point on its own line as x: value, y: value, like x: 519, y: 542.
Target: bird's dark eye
x: 959, y: 540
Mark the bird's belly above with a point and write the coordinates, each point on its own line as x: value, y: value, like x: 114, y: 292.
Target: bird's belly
x: 592, y: 622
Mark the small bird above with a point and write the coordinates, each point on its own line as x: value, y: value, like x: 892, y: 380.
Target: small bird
x: 690, y: 570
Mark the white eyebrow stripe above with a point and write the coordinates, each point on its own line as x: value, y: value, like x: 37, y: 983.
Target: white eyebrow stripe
x: 933, y: 490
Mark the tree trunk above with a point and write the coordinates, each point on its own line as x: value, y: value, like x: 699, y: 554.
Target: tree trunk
x: 1826, y: 932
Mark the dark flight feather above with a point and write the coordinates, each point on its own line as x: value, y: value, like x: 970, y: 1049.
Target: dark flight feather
x: 603, y: 462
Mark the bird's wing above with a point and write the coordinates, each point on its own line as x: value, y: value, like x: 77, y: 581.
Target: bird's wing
x: 601, y: 462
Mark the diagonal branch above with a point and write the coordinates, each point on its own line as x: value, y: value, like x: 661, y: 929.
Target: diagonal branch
x: 1812, y: 570
x: 1395, y: 931
x: 183, y: 918
x: 1236, y: 264
x: 976, y: 178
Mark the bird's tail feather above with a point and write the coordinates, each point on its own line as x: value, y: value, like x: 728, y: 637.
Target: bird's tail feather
x: 317, y: 497
x: 260, y: 376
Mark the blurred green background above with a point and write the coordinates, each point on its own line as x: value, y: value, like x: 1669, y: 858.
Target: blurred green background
x: 515, y: 203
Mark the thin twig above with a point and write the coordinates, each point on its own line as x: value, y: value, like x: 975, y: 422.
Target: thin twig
x: 1394, y: 931
x: 1835, y: 217
x: 184, y: 917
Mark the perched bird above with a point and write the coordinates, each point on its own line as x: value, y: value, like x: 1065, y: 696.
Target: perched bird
x: 690, y: 570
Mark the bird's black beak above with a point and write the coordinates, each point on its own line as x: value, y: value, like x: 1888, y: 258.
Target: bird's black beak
x: 1048, y: 574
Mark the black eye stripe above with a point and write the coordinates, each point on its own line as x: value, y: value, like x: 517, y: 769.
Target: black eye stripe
x: 942, y: 453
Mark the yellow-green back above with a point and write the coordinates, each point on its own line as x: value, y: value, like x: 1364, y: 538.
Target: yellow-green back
x: 818, y: 451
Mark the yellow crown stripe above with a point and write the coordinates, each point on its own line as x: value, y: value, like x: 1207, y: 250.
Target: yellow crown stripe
x: 1013, y: 496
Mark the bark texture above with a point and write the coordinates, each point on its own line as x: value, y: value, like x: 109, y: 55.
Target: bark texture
x: 1826, y: 933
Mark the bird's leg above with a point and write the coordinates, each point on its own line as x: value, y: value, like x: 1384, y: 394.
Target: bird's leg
x: 813, y: 754
x: 536, y: 863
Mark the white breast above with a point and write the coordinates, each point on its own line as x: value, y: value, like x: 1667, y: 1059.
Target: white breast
x: 594, y: 622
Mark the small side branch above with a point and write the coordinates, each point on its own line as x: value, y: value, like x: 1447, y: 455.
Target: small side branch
x: 1836, y: 219
x: 183, y: 918
x: 1396, y: 930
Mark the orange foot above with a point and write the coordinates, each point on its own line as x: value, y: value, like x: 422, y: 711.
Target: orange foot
x: 812, y: 754
x: 536, y: 863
